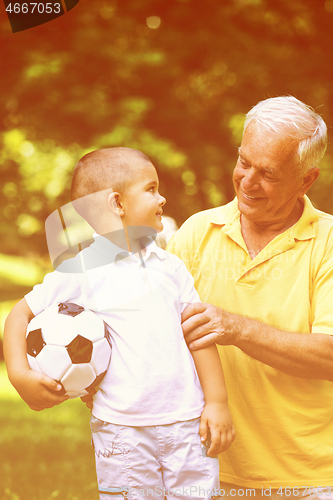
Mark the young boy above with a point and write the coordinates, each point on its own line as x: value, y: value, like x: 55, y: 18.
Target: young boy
x: 147, y: 431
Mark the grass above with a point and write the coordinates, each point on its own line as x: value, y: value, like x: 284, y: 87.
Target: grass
x: 44, y: 455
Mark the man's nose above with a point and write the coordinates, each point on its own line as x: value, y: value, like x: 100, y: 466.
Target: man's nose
x: 250, y: 179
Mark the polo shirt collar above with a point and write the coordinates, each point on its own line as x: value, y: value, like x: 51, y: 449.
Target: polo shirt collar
x: 114, y: 253
x: 104, y: 246
x: 228, y: 217
x: 153, y: 248
x: 226, y: 214
x: 303, y: 229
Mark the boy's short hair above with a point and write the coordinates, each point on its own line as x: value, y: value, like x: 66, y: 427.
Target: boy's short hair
x: 100, y: 173
x: 107, y: 168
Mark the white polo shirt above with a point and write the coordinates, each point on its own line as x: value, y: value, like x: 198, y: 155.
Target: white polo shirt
x: 151, y: 379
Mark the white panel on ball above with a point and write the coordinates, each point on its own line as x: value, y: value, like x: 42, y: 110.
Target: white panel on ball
x: 54, y: 361
x: 60, y: 332
x: 33, y: 364
x: 91, y: 325
x: 101, y: 356
x: 77, y: 377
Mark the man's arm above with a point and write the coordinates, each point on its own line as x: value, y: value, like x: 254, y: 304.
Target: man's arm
x: 215, y: 422
x: 297, y: 354
x: 37, y: 390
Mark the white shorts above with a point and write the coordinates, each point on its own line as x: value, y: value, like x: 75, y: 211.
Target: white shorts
x: 154, y: 462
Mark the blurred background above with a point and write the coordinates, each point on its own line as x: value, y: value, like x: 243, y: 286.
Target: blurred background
x: 173, y: 78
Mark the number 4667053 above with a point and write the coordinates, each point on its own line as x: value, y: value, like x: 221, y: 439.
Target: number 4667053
x: 30, y: 8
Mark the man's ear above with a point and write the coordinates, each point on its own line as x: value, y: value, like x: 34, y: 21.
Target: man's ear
x: 115, y: 204
x: 308, y: 180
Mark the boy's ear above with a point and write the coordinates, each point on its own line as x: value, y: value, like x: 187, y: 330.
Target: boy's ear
x: 115, y: 204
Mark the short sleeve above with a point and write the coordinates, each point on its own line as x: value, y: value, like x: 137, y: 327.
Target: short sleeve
x: 322, y: 293
x: 56, y: 287
x: 187, y: 292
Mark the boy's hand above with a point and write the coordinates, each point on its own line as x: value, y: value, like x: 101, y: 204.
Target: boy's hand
x: 216, y: 424
x: 39, y: 391
x: 88, y: 400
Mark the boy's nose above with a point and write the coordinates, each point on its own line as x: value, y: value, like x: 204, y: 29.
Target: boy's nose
x: 162, y: 201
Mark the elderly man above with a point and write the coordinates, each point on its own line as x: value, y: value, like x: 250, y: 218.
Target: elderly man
x: 264, y: 265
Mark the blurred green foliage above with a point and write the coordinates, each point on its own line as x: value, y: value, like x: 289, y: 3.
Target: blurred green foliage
x: 172, y: 78
x: 44, y: 455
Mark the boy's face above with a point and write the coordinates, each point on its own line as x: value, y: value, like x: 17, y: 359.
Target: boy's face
x: 142, y: 202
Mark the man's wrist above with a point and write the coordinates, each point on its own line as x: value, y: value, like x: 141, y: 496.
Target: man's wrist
x: 233, y: 329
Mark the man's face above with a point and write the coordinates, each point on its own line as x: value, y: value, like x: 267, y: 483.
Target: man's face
x: 266, y: 177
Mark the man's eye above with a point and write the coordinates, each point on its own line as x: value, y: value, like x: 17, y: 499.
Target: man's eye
x: 242, y: 163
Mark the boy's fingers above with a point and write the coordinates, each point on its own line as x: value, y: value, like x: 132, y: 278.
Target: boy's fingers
x: 203, y: 430
x: 88, y: 397
x: 40, y: 391
x: 46, y: 404
x: 88, y: 403
x: 88, y: 400
x: 231, y: 436
x: 226, y: 440
x: 50, y: 397
x: 51, y: 384
x: 54, y: 392
x: 216, y: 438
x: 225, y: 443
x: 47, y: 399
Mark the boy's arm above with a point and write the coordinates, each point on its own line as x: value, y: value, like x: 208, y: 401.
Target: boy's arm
x: 37, y: 390
x: 215, y: 424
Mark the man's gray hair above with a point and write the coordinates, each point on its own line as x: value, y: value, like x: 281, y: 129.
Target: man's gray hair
x: 277, y: 113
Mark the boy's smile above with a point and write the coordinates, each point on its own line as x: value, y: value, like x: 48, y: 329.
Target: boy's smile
x: 141, y: 202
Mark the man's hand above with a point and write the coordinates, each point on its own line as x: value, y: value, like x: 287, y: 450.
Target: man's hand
x: 38, y: 390
x: 216, y: 427
x: 205, y: 324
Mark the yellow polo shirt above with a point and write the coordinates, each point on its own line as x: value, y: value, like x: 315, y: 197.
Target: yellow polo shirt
x: 284, y: 424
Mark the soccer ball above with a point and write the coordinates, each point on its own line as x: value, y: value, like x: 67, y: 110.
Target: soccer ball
x: 70, y: 344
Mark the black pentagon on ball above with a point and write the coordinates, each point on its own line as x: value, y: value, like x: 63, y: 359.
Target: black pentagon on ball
x: 80, y: 350
x: 35, y: 342
x: 69, y: 309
